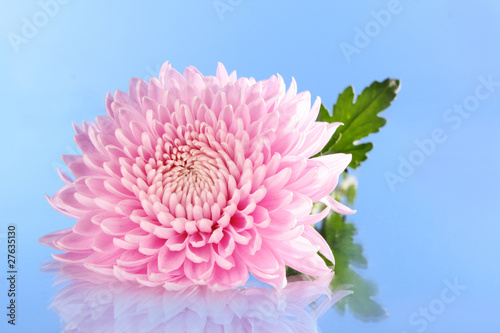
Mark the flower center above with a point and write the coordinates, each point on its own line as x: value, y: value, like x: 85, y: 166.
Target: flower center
x: 186, y: 175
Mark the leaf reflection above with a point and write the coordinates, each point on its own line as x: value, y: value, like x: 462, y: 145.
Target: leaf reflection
x: 349, y: 255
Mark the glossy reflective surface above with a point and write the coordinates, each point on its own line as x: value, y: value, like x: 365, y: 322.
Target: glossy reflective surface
x: 88, y: 302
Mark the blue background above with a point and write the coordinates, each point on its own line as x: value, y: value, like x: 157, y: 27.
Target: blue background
x: 440, y: 224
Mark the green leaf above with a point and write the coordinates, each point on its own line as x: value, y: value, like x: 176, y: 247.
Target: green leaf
x: 291, y: 272
x: 359, y: 117
x: 351, y: 194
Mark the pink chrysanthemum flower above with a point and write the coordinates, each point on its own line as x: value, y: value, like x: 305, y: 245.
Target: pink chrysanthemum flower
x: 200, y: 179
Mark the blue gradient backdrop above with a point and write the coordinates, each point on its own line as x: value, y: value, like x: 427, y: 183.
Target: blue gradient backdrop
x: 440, y: 223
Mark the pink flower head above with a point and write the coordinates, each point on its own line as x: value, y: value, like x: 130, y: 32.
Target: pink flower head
x: 200, y: 179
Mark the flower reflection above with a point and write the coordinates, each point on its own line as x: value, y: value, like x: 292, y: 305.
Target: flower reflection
x: 88, y: 302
